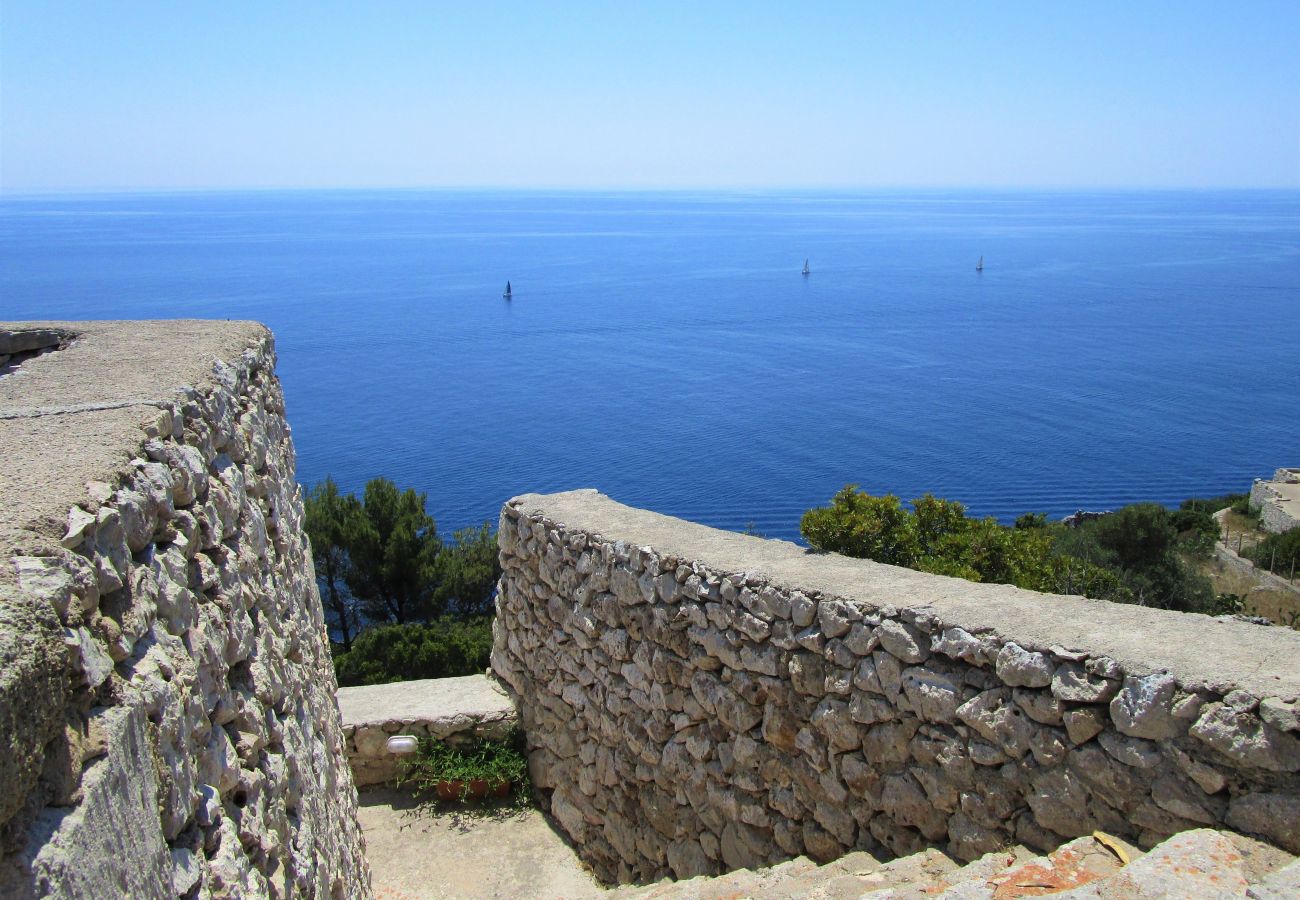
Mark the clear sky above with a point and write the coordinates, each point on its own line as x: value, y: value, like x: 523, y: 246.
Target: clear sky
x: 1146, y: 93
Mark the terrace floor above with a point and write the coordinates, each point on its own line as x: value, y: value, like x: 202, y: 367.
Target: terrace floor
x: 418, y: 853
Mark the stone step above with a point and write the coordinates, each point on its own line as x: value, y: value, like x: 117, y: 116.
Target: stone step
x: 1201, y: 863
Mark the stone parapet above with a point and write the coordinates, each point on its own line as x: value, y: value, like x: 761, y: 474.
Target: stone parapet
x: 698, y: 701
x: 166, y: 694
x: 448, y: 709
x: 1278, y: 501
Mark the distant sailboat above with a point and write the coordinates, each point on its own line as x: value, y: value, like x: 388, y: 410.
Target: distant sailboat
x: 979, y: 266
x: 806, y: 270
x: 508, y: 292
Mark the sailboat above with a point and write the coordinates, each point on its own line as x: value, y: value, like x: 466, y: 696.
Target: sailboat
x: 507, y: 293
x: 806, y: 270
x: 979, y: 266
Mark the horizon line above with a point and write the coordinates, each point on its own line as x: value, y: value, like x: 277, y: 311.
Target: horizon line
x: 633, y: 189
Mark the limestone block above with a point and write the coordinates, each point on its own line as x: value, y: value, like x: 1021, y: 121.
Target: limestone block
x: 1021, y: 668
x: 903, y: 641
x: 116, y: 821
x: 1282, y: 884
x: 79, y: 522
x: 1130, y: 751
x: 1073, y: 683
x: 1281, y: 715
x: 802, y: 610
x: 1272, y: 815
x: 1084, y: 724
x: 933, y: 697
x: 49, y: 579
x: 960, y: 644
x: 831, y: 718
x: 1144, y: 707
x: 1245, y: 739
x: 835, y: 617
x: 998, y: 721
x: 1200, y: 863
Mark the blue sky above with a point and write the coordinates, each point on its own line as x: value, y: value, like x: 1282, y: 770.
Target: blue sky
x: 1179, y: 93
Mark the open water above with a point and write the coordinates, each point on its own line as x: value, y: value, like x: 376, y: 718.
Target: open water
x: 665, y: 348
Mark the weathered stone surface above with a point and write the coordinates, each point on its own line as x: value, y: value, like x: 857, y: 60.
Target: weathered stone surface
x: 1273, y: 816
x: 1073, y: 683
x: 1247, y: 740
x: 1144, y: 707
x: 166, y: 688
x: 1200, y: 863
x: 110, y: 841
x: 1282, y: 884
x: 903, y: 641
x: 1084, y: 724
x: 1021, y: 668
x: 934, y: 697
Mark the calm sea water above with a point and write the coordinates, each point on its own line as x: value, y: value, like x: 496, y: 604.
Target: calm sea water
x: 665, y: 349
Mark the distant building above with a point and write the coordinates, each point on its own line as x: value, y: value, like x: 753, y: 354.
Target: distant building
x: 1278, y: 500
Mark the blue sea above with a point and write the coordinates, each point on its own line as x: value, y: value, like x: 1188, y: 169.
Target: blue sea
x: 664, y: 347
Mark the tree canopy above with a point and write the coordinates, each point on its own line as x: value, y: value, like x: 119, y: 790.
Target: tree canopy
x: 379, y: 559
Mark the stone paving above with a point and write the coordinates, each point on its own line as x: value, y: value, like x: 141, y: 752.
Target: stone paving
x: 416, y: 854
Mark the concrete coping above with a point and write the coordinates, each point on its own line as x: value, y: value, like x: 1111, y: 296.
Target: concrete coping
x: 79, y: 415
x: 471, y: 698
x: 1199, y: 651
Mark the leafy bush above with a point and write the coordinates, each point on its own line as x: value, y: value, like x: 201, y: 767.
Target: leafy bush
x: 1131, y: 556
x: 858, y: 524
x: 439, y: 649
x: 936, y: 537
x: 1211, y: 505
x: 495, y: 762
x: 1242, y: 507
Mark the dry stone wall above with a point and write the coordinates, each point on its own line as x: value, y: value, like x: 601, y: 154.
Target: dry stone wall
x: 168, y: 703
x: 698, y: 701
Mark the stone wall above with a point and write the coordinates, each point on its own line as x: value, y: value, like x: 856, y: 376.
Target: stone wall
x: 698, y: 701
x: 1278, y: 501
x: 166, y: 693
x: 447, y: 709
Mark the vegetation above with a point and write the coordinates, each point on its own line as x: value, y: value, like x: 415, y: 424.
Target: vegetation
x: 494, y: 762
x: 443, y: 648
x: 400, y: 602
x: 1136, y: 555
x: 1278, y: 553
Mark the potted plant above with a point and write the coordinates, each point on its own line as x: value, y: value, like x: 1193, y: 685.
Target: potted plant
x: 472, y: 770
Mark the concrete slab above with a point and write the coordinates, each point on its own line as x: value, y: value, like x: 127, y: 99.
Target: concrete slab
x: 416, y: 854
x: 473, y: 697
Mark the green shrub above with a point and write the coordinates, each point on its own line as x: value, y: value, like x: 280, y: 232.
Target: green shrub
x: 439, y: 649
x: 1242, y: 507
x: 1211, y: 505
x: 1134, y: 555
